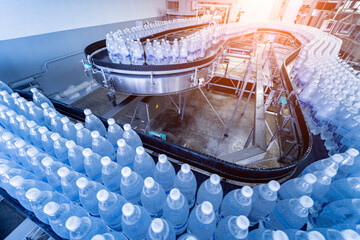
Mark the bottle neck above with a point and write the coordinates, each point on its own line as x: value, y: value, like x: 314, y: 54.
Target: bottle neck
x: 84, y: 228
x: 296, y: 208
x: 267, y: 193
x: 127, y: 181
x: 237, y: 232
x: 185, y: 177
x: 175, y: 204
x: 212, y: 188
x: 241, y: 199
x: 154, y: 190
x: 133, y: 218
x: 110, y: 202
x: 202, y: 217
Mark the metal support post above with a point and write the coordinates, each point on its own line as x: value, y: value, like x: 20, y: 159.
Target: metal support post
x: 183, y: 107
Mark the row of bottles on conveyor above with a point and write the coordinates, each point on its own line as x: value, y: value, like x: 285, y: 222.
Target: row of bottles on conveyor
x: 96, y: 183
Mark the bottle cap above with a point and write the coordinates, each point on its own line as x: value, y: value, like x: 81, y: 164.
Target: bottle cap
x: 175, y: 194
x: 352, y: 152
x: 79, y: 126
x: 10, y: 113
x: 185, y: 168
x: 100, y: 237
x: 7, y: 136
x: 15, y: 95
x: 65, y: 120
x: 121, y: 143
x: 126, y: 171
x: 274, y: 185
x: 33, y: 194
x: 82, y: 182
x: 140, y: 150
x: 337, y: 158
x: 279, y: 235
x: 315, y: 235
x: 44, y: 105
x: 32, y: 152
x: 214, y: 179
x: 47, y: 161
x: 20, y: 118
x: 52, y: 114
x: 95, y: 134
x: 70, y: 144
x: 242, y: 222
x: 51, y: 208
x: 306, y: 201
x: 111, y: 121
x: 16, y: 181
x: 31, y: 124
x: 87, y: 112
x: 309, y: 178
x: 4, y: 168
x: 128, y: 209
x: 55, y: 136
x: 350, y: 234
x: 73, y: 223
x: 87, y: 152
x: 149, y: 182
x: 19, y: 143
x: 330, y: 172
x: 63, y: 172
x: 247, y: 191
x: 105, y: 161
x: 127, y: 127
x: 162, y: 158
x: 157, y: 225
x: 206, y: 207
x: 102, y: 195
x: 42, y: 130
x: 33, y: 90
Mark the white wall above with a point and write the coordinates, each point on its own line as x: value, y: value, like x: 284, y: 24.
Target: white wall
x: 22, y: 18
x: 256, y: 10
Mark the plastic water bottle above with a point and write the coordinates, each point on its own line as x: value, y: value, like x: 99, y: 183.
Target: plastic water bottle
x: 20, y: 128
x: 290, y: 213
x: 22, y: 185
x: 5, y: 87
x: 267, y: 234
x: 87, y: 194
x: 237, y: 202
x: 263, y: 200
x: 202, y: 221
x: 68, y: 180
x: 297, y: 187
x: 161, y: 229
x: 131, y: 137
x: 35, y: 137
x: 110, y: 208
x: 60, y: 148
x: 75, y: 156
x: 102, y: 146
x: 85, y: 228
x: 135, y: 221
x: 185, y: 181
x: 93, y: 123
x: 125, y: 154
x: 39, y: 199
x: 131, y: 185
x: 55, y: 123
x: 69, y: 129
x: 232, y: 228
x: 348, y: 162
x: 302, y: 235
x: 47, y: 143
x: 144, y: 165
x: 9, y: 146
x: 39, y: 98
x: 111, y: 174
x: 35, y: 113
x: 188, y: 236
x: 59, y: 213
x: 176, y: 210
x: 211, y: 190
x: 92, y: 164
x: 21, y: 149
x: 164, y: 173
x: 110, y: 236
x: 322, y: 185
x: 83, y: 136
x: 51, y: 168
x: 115, y: 132
x: 150, y: 58
x: 34, y: 157
x: 345, y: 188
x: 153, y: 197
x: 320, y: 165
x: 46, y: 111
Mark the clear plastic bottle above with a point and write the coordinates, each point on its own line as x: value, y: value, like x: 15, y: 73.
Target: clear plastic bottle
x: 161, y: 229
x: 35, y: 113
x: 232, y: 228
x: 111, y: 174
x: 115, y: 132
x: 176, y: 210
x: 47, y: 143
x: 131, y: 137
x: 144, y: 165
x: 39, y: 98
x: 93, y: 123
x: 150, y: 58
x: 346, y: 188
x: 131, y: 185
x: 202, y: 221
x: 75, y: 156
x: 320, y: 165
x: 34, y: 157
x: 297, y: 187
x: 55, y: 123
x: 83, y: 136
x: 21, y: 149
x: 51, y: 168
x: 46, y: 111
x: 87, y: 194
x: 164, y: 173
x: 302, y: 235
x: 69, y: 129
x: 68, y: 180
x: 110, y: 236
x: 102, y: 146
x: 322, y: 185
x: 237, y: 202
x: 267, y: 234
x: 5, y: 87
x: 35, y: 137
x: 135, y: 221
x: 211, y: 190
x: 188, y: 236
x: 153, y: 197
x: 85, y: 228
x: 20, y: 128
x: 185, y: 181
x: 60, y: 148
x: 348, y: 162
x: 92, y: 164
x: 125, y: 154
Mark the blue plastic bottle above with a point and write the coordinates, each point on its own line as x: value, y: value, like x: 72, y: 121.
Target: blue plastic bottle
x: 111, y: 174
x: 290, y: 213
x: 93, y: 123
x: 10, y: 149
x: 211, y: 190
x: 131, y: 137
x: 302, y: 235
x: 110, y: 236
x: 35, y: 137
x: 263, y: 200
x: 232, y: 228
x: 20, y: 128
x: 153, y: 197
x: 75, y: 156
x: 23, y: 107
x: 35, y: 113
x: 188, y: 236
x: 83, y: 136
x: 161, y: 229
x: 322, y: 185
x: 92, y: 164
x: 131, y: 185
x: 21, y: 149
x: 39, y: 98
x: 346, y: 165
x: 176, y: 210
x: 34, y: 158
x: 202, y: 221
x: 125, y: 154
x: 185, y: 181
x: 60, y: 148
x: 164, y: 173
x: 345, y: 188
x: 320, y: 165
x: 85, y: 228
x: 297, y: 187
x: 87, y: 194
x: 69, y: 129
x: 115, y: 132
x: 144, y: 165
x: 5, y: 87
x: 55, y: 123
x: 12, y: 123
x: 46, y: 111
x: 51, y: 168
x: 267, y: 234
x: 237, y: 202
x: 47, y: 143
x: 135, y: 221
x: 102, y: 146
x: 110, y: 208
x: 68, y: 180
